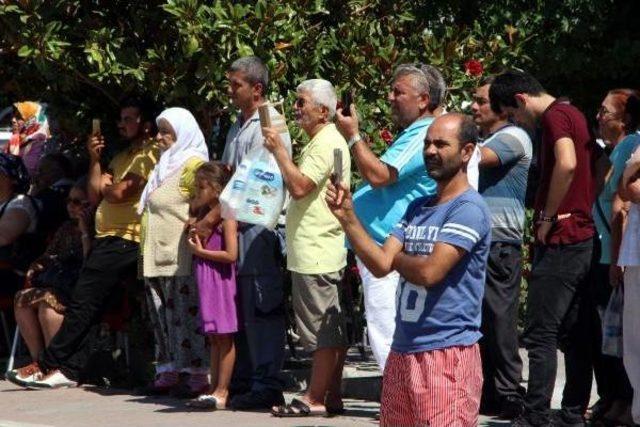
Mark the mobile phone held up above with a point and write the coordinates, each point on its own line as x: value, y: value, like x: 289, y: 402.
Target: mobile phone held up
x: 336, y: 176
x: 346, y: 101
x: 95, y: 127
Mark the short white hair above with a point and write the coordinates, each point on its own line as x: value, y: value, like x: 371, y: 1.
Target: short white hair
x: 322, y: 93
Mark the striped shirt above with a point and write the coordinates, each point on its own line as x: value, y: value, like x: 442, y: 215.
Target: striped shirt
x: 504, y: 187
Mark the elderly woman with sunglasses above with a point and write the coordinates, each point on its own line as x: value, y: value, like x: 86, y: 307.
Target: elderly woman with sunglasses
x: 40, y: 308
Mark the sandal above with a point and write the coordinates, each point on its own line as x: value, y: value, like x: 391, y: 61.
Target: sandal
x: 206, y: 401
x: 297, y: 408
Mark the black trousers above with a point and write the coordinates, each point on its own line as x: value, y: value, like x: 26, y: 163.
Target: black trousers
x: 501, y: 363
x: 559, y: 317
x: 111, y: 259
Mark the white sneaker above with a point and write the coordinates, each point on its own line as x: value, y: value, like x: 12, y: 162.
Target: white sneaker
x: 54, y: 379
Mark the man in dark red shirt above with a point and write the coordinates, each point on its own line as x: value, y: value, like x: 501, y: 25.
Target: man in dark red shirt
x: 563, y: 231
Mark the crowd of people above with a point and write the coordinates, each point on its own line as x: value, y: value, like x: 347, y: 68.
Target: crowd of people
x: 437, y: 228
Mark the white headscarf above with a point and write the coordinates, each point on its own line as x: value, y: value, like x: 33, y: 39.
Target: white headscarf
x: 189, y: 143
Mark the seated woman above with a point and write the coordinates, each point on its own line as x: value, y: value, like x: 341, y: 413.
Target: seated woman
x: 40, y: 308
x: 18, y: 221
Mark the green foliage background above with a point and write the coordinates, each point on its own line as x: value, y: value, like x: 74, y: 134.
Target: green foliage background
x: 81, y: 55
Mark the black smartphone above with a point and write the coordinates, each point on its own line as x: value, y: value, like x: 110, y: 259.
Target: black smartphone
x: 346, y: 101
x: 336, y: 176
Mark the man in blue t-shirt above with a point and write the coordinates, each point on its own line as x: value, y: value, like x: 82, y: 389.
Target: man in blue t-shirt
x: 440, y: 246
x: 391, y: 182
x: 504, y: 167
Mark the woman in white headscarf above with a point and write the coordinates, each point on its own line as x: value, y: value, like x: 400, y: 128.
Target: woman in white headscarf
x: 171, y: 289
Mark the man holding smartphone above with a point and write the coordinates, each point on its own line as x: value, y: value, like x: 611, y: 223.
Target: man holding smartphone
x: 391, y: 182
x: 114, y: 254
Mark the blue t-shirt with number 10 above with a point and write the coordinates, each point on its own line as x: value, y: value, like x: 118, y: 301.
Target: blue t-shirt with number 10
x: 447, y: 314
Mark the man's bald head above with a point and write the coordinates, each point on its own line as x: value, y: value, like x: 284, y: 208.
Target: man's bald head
x: 449, y: 145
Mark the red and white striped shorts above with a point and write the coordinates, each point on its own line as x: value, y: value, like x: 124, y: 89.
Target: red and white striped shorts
x: 438, y: 388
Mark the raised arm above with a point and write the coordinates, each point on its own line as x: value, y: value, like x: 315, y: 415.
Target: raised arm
x: 297, y: 183
x: 371, y: 168
x: 378, y: 259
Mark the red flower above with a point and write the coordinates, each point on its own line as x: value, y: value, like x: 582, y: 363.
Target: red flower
x: 473, y: 67
x: 386, y: 136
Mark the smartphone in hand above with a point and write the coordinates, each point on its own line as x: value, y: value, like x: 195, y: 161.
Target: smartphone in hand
x: 265, y: 115
x: 95, y: 127
x: 336, y: 176
x: 346, y: 101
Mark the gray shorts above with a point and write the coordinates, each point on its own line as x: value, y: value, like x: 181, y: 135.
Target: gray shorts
x: 316, y: 304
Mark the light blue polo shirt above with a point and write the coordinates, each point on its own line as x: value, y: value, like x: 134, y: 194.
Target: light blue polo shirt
x: 380, y: 209
x: 602, y: 213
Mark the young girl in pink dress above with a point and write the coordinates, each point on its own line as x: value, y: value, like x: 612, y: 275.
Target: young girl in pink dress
x: 215, y: 269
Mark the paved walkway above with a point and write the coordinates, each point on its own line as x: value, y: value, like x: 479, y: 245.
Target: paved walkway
x: 96, y: 407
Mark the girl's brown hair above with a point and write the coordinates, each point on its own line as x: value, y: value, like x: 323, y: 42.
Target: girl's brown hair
x: 215, y: 173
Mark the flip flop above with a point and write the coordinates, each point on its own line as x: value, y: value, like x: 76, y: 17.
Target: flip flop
x: 205, y: 401
x: 297, y: 408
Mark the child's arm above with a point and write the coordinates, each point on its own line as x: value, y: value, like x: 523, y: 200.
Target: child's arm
x: 230, y: 235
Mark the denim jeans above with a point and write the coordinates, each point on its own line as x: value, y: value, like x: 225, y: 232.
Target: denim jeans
x: 557, y: 317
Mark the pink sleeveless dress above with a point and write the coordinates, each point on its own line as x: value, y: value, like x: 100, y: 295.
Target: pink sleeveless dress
x: 217, y: 290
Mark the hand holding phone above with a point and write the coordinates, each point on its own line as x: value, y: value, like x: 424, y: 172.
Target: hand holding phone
x: 336, y: 176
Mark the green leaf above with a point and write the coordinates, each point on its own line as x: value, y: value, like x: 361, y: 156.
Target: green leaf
x: 25, y: 51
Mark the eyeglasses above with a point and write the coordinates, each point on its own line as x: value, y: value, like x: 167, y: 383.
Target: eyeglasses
x: 602, y: 111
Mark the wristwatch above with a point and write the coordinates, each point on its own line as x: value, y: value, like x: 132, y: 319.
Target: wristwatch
x: 542, y: 217
x: 353, y: 140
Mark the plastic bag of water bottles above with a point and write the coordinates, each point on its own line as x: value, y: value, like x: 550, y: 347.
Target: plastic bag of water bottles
x: 256, y: 193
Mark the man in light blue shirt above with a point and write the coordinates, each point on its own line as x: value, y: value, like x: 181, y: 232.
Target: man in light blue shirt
x: 391, y: 183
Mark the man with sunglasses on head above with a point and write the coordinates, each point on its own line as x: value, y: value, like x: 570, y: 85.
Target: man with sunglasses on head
x: 506, y: 157
x: 114, y: 255
x: 391, y: 182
